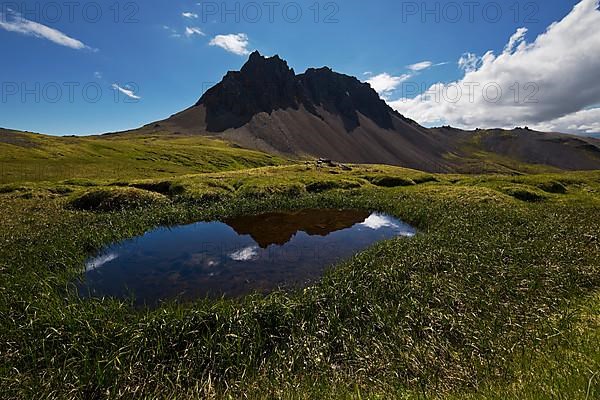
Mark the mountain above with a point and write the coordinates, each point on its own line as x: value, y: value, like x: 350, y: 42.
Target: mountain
x: 320, y: 113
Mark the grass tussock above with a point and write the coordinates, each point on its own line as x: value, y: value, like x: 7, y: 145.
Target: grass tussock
x: 116, y: 199
x: 11, y: 188
x: 391, y: 181
x: 525, y: 193
x: 326, y: 185
x: 166, y: 188
x: 553, y: 187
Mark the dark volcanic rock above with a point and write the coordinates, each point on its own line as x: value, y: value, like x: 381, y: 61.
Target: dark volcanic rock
x: 262, y: 85
x: 345, y: 96
x: 269, y: 84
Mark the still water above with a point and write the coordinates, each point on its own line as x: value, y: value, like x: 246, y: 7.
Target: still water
x: 236, y: 256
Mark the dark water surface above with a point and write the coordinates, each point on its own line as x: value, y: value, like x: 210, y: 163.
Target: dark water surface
x: 235, y: 257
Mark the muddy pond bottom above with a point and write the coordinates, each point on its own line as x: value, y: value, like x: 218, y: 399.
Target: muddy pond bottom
x: 236, y: 256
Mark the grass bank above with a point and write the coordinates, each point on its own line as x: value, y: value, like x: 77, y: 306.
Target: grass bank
x: 495, y: 298
x: 29, y: 157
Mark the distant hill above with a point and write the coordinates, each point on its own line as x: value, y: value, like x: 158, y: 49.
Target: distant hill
x: 30, y: 157
x: 321, y: 113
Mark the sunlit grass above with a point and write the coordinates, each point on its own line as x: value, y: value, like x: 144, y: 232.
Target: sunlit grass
x: 496, y: 297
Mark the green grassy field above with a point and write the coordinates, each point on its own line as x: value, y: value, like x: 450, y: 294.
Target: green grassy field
x: 34, y: 158
x: 497, y: 297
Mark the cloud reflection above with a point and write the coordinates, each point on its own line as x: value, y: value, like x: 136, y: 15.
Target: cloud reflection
x: 246, y: 254
x: 378, y: 221
x: 99, y: 261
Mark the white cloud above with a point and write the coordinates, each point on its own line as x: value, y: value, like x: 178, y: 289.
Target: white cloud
x: 235, y: 43
x: 548, y: 81
x: 192, y: 30
x: 16, y: 23
x: 246, y: 254
x: 420, y: 66
x: 189, y: 15
x: 173, y: 31
x: 469, y: 62
x: 98, y: 75
x: 385, y: 83
x: 584, y: 121
x: 517, y: 38
x: 127, y: 92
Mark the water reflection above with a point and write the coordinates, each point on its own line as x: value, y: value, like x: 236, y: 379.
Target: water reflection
x: 237, y: 256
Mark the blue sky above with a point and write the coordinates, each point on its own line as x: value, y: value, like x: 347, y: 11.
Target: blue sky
x: 159, y: 56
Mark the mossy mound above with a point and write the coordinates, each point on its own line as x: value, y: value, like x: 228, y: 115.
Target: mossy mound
x: 524, y: 193
x: 391, y: 181
x: 323, y: 186
x: 116, y: 199
x: 60, y: 190
x: 164, y: 187
x: 553, y: 187
x: 425, y: 179
x: 262, y: 191
x: 11, y: 188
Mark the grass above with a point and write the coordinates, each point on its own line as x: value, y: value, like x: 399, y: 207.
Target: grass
x: 28, y: 157
x: 496, y: 297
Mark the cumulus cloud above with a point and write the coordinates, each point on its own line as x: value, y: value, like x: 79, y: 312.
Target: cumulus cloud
x: 469, y: 62
x: 584, y: 121
x: 549, y: 83
x: 517, y: 38
x: 385, y: 83
x: 16, y: 23
x: 127, y: 92
x: 236, y: 43
x: 189, y: 15
x: 192, y: 30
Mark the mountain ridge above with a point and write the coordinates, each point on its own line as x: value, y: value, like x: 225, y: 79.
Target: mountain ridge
x: 266, y: 106
x: 268, y: 84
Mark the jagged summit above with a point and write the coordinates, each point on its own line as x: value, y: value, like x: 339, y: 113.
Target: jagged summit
x: 262, y: 85
x: 266, y: 84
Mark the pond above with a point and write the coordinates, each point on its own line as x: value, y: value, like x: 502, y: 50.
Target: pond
x: 236, y: 256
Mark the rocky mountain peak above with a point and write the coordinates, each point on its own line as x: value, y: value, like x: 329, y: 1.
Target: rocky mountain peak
x: 266, y: 84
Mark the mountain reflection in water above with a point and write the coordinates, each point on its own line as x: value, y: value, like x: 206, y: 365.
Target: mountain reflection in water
x: 235, y: 257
